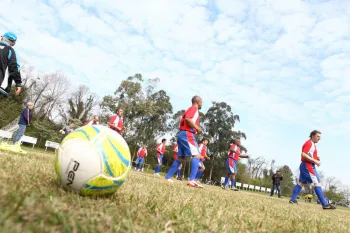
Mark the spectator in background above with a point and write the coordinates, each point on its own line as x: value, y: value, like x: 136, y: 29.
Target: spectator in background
x: 24, y: 121
x: 94, y: 121
x: 276, y: 183
x: 66, y: 130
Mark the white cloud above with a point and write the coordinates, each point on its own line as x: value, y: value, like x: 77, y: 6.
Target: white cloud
x: 283, y: 66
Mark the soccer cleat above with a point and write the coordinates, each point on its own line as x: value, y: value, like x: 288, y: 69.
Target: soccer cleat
x: 197, y: 182
x: 170, y: 181
x: 233, y: 189
x: 223, y: 187
x: 156, y: 174
x: 138, y: 170
x: 293, y: 202
x: 192, y: 184
x: 329, y: 207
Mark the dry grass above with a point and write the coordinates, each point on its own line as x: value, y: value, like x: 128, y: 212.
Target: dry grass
x: 30, y: 201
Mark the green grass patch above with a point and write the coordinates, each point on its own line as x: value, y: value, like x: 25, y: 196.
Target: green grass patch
x: 30, y: 201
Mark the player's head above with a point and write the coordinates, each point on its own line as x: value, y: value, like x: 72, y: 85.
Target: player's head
x: 119, y: 111
x: 144, y: 146
x: 237, y: 141
x: 96, y: 118
x: 30, y: 105
x: 205, y: 141
x: 197, y: 100
x: 10, y: 38
x: 163, y: 140
x: 315, y: 136
x: 278, y: 172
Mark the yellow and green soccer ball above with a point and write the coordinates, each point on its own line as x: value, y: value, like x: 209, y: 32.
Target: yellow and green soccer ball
x: 93, y: 161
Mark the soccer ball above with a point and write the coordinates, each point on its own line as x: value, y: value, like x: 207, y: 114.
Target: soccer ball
x: 93, y: 161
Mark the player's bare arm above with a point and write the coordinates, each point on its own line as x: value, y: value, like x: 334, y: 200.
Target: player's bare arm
x: 245, y: 156
x: 308, y: 158
x: 193, y: 125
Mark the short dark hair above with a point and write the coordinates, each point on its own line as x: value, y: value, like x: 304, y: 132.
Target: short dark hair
x: 314, y: 132
x: 164, y: 139
x: 195, y: 98
x: 204, y: 139
x: 118, y: 108
x: 235, y: 140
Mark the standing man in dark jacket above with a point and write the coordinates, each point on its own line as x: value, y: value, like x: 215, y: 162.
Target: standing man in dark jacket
x: 9, y: 63
x: 276, y: 183
x: 24, y: 121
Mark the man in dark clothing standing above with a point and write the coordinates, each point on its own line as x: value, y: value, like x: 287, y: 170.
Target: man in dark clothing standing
x: 276, y: 183
x: 24, y: 121
x: 9, y: 64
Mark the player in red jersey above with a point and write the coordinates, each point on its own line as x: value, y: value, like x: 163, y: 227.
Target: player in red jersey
x: 231, y: 163
x: 175, y: 150
x: 94, y: 121
x: 159, y: 157
x: 308, y: 172
x: 141, y: 155
x: 203, y: 149
x: 187, y: 143
x: 116, y: 121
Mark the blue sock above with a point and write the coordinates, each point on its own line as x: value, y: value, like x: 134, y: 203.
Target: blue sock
x: 174, y: 167
x: 157, y: 169
x: 232, y: 183
x: 178, y: 173
x: 139, y: 167
x: 197, y: 175
x: 320, y: 195
x: 296, y: 192
x: 200, y: 174
x: 226, y: 181
x: 194, y: 168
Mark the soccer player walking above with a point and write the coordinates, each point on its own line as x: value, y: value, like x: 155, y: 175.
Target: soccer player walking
x: 187, y: 143
x: 203, y: 149
x: 159, y: 158
x: 94, y: 121
x: 175, y: 150
x: 308, y: 172
x: 141, y: 155
x: 231, y: 163
x: 116, y: 121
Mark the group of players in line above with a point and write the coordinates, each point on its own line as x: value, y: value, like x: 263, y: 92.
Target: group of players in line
x: 187, y: 147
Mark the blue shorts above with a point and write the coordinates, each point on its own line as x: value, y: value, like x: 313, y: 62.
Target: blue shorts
x: 159, y: 159
x: 140, y: 160
x: 200, y: 164
x: 231, y: 166
x: 308, y: 174
x: 187, y: 144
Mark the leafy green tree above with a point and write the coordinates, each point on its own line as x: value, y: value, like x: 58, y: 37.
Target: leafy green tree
x: 11, y: 107
x: 287, y: 184
x: 218, y: 125
x: 147, y: 111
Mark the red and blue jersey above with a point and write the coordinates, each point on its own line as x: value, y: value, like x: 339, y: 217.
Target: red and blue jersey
x: 234, y: 152
x: 203, y: 150
x: 160, y: 149
x: 91, y: 122
x: 175, y: 149
x: 116, y: 121
x: 193, y: 114
x: 142, y: 152
x: 310, y: 149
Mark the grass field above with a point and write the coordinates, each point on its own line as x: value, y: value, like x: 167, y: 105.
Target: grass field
x: 30, y: 201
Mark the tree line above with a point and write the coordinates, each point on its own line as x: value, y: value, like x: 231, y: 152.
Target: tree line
x: 148, y: 116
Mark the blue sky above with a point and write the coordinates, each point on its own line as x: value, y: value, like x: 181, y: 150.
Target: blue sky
x: 281, y: 65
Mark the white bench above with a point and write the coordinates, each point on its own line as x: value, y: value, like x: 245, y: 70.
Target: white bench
x: 28, y: 139
x: 53, y: 145
x: 257, y: 188
x: 263, y: 189
x: 251, y: 187
x: 268, y: 190
x: 245, y: 186
x: 5, y: 134
x: 238, y: 185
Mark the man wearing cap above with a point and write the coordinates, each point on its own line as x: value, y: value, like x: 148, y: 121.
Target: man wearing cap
x: 9, y: 62
x: 276, y: 183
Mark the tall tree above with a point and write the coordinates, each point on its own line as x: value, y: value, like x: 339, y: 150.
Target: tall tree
x: 146, y: 110
x: 218, y: 124
x: 80, y: 105
x: 287, y: 182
